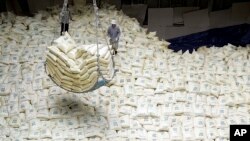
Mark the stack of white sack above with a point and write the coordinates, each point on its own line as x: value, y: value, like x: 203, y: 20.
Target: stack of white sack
x: 75, y: 68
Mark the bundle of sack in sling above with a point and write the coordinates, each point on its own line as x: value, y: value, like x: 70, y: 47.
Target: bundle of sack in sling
x: 75, y: 68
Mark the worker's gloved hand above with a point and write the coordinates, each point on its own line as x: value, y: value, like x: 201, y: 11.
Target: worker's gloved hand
x: 116, y: 39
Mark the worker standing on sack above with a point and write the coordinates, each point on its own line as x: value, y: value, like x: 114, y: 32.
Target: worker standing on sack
x: 114, y: 35
x: 64, y: 18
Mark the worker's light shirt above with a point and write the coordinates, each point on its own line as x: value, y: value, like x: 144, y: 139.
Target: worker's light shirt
x: 65, y: 16
x: 114, y: 32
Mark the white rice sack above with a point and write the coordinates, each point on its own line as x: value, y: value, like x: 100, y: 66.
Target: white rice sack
x: 193, y: 87
x: 141, y: 81
x: 179, y: 84
x: 215, y: 111
x: 145, y: 120
x: 65, y: 43
x: 120, y: 80
x: 147, y: 73
x: 200, y: 133
x: 180, y: 96
x: 126, y: 67
x: 152, y: 83
x: 13, y: 98
x: 13, y: 109
x: 223, y: 133
x: 223, y: 111
x: 43, y: 113
x: 72, y: 122
x: 192, y: 77
x: 125, y: 121
x: 152, y: 135
x: 84, y: 121
x: 210, y: 123
x: 205, y: 88
x: 134, y: 124
x: 142, y: 133
x: 101, y: 121
x: 76, y: 53
x: 5, y: 59
x: 209, y: 77
x: 199, y: 110
x: 70, y: 134
x: 55, y: 113
x: 125, y: 101
x: 208, y: 110
x: 52, y: 101
x: 170, y: 98
x: 212, y: 100
x: 201, y: 99
x: 114, y: 124
x: 57, y: 134
x: 34, y: 134
x: 5, y: 131
x: 175, y: 133
x: 164, y: 136
x: 215, y: 90
x: 140, y: 91
x: 113, y: 134
x: 129, y: 90
x: 137, y: 72
x: 188, y: 121
x: 45, y: 133
x: 93, y: 132
x: 221, y: 123
x: 165, y: 123
x: 47, y: 82
x: 188, y: 133
x: 212, y: 133
x: 199, y: 122
x: 242, y: 120
x: 142, y: 109
x: 191, y: 97
x: 161, y: 64
x: 14, y: 121
x: 4, y: 111
x: 5, y: 89
x: 113, y: 110
x: 178, y: 108
x: 38, y: 74
x: 37, y: 84
x: 167, y: 109
x: 24, y: 97
x: 3, y: 122
x: 240, y: 98
x: 35, y: 124
x: 161, y: 88
x: 149, y: 64
x: 15, y: 68
x: 55, y: 90
x: 187, y: 109
x: 137, y: 62
x: 130, y: 80
x: 153, y: 111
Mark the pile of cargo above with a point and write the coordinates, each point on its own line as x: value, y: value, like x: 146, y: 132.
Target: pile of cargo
x: 157, y: 94
x: 75, y: 67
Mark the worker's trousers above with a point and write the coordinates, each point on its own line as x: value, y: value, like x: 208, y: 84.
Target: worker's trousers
x: 114, y: 44
x: 64, y: 27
